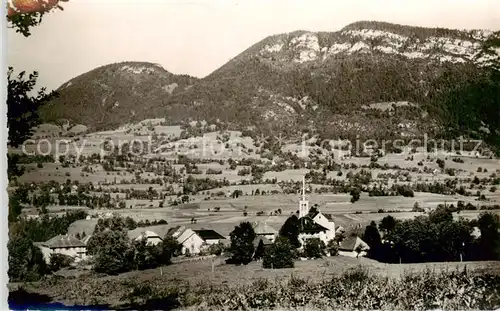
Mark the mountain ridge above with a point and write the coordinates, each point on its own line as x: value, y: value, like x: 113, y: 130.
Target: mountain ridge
x: 308, y: 80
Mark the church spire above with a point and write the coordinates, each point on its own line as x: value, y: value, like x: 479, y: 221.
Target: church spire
x: 303, y: 188
x: 303, y: 203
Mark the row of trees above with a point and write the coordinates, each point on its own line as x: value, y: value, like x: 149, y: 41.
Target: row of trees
x: 436, y: 237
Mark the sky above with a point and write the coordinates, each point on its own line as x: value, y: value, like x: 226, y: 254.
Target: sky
x: 197, y: 37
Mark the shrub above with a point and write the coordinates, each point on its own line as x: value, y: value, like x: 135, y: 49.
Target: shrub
x: 59, y: 261
x: 216, y: 249
x: 279, y: 255
x: 212, y: 171
x: 314, y: 248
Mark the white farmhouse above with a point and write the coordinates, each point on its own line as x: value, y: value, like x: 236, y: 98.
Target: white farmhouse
x: 194, y: 241
x: 353, y: 246
x: 63, y: 244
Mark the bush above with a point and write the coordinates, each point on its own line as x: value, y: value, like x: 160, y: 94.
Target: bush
x: 216, y: 249
x: 59, y: 261
x: 212, y: 171
x: 279, y: 255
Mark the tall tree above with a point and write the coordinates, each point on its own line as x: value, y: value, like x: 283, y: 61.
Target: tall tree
x: 489, y: 242
x: 242, y: 238
x: 387, y: 224
x: 26, y: 261
x: 290, y: 230
x: 279, y: 255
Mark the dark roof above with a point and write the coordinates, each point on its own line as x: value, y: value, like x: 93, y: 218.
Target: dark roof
x: 265, y: 240
x: 307, y: 225
x: 63, y: 241
x: 172, y: 230
x: 328, y: 216
x: 209, y: 234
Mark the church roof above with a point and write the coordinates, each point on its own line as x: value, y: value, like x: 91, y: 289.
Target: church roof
x: 309, y: 226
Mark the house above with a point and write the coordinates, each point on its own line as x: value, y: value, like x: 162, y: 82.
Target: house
x: 175, y: 232
x: 350, y: 246
x: 194, y: 241
x: 151, y: 237
x: 63, y: 244
x: 266, y: 231
x: 314, y: 224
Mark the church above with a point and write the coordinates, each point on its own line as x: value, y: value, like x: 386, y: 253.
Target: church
x: 313, y: 223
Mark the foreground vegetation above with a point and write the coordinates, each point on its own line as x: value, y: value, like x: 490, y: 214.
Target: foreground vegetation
x: 355, y: 289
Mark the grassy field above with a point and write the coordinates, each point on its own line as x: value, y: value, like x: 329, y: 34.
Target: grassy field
x: 87, y: 288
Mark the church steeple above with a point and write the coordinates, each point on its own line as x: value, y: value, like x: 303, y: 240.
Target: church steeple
x: 303, y: 203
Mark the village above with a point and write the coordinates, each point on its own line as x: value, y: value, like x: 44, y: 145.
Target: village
x: 196, y: 242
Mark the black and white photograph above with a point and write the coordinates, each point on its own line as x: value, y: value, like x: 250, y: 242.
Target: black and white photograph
x: 252, y: 155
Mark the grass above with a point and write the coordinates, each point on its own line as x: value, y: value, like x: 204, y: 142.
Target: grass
x: 335, y: 282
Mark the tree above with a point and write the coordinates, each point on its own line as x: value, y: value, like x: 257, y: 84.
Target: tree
x: 358, y: 250
x: 279, y: 255
x: 130, y: 223
x: 489, y: 242
x: 26, y: 262
x: 355, y: 195
x: 13, y: 170
x: 15, y: 208
x: 291, y: 230
x: 387, y: 224
x: 333, y: 248
x: 171, y: 248
x: 440, y: 163
x: 314, y: 248
x: 22, y: 108
x: 373, y: 239
x: 440, y: 214
x: 259, y: 251
x: 145, y: 256
x: 115, y: 253
x: 242, y: 238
